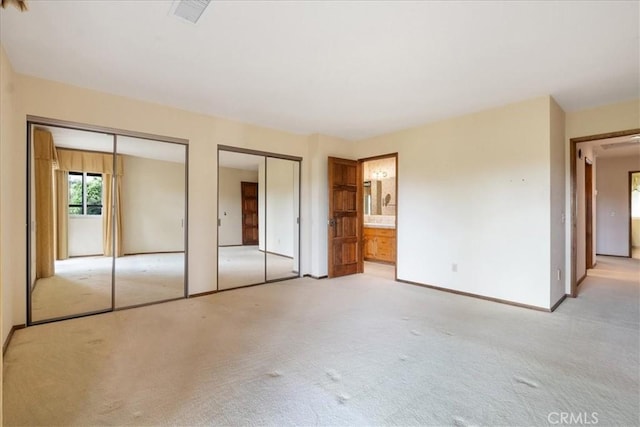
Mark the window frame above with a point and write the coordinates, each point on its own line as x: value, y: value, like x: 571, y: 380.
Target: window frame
x: 84, y: 207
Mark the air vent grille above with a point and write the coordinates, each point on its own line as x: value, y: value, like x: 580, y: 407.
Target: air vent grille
x: 191, y: 10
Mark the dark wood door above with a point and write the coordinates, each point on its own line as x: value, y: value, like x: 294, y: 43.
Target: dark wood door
x: 345, y: 231
x: 249, y: 213
x: 588, y: 209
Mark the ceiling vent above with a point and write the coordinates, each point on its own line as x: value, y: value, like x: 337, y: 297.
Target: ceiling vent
x: 191, y: 10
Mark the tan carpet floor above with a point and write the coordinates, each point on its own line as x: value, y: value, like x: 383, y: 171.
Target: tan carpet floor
x: 359, y: 350
x: 247, y: 265
x: 83, y: 284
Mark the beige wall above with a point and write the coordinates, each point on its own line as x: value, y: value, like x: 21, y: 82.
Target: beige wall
x: 557, y: 214
x: 475, y: 191
x: 612, y: 184
x: 8, y: 134
x: 593, y: 121
x: 59, y: 101
x: 230, y: 199
x: 153, y: 205
x: 12, y: 201
x: 84, y: 235
x: 508, y: 152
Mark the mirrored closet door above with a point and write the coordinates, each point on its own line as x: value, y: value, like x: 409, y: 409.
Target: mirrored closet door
x: 106, y: 231
x: 150, y: 256
x: 258, y: 217
x: 71, y: 247
x: 282, y: 213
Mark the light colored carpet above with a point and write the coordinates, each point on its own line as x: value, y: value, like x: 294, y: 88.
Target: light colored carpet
x: 358, y: 350
x: 378, y: 269
x: 83, y: 284
x: 245, y: 265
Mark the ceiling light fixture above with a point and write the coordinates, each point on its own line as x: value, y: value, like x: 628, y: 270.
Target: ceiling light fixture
x: 191, y: 10
x: 378, y: 174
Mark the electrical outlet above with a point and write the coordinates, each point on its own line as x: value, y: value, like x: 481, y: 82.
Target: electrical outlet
x: 454, y: 267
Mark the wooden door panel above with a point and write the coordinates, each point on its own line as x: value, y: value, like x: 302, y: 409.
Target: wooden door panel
x: 249, y: 195
x: 344, y: 227
x: 344, y: 231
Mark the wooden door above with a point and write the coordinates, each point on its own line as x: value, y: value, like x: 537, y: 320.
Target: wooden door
x: 249, y: 213
x: 345, y: 210
x: 588, y: 209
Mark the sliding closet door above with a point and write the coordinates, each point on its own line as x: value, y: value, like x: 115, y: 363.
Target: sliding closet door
x: 149, y: 216
x: 241, y: 219
x: 71, y: 263
x: 282, y: 218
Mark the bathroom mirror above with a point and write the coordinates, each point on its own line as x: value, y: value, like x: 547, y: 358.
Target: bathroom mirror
x: 372, y: 197
x: 150, y: 206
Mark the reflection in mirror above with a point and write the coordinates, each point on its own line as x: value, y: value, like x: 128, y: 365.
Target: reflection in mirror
x: 241, y: 179
x: 282, y: 212
x: 150, y: 217
x: 70, y: 260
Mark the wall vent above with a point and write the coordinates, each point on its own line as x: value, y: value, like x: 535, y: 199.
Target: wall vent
x: 191, y: 10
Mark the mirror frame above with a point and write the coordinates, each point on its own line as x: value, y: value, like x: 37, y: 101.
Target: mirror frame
x: 266, y: 155
x: 31, y: 122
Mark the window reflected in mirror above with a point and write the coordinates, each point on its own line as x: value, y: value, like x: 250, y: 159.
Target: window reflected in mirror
x: 106, y: 231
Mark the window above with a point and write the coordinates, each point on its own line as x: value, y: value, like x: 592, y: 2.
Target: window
x: 85, y: 193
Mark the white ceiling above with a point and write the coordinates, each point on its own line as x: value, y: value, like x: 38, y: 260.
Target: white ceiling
x: 95, y: 141
x: 230, y: 159
x: 349, y: 69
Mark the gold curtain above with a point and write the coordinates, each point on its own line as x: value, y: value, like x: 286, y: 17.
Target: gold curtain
x: 108, y: 220
x: 95, y: 162
x: 88, y: 161
x: 62, y: 214
x: 44, y: 153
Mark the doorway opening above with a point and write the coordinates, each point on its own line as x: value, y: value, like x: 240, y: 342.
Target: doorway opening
x: 634, y: 217
x: 588, y: 203
x: 599, y: 166
x: 380, y: 210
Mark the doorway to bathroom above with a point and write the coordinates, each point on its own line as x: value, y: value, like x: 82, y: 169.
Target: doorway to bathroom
x: 380, y: 213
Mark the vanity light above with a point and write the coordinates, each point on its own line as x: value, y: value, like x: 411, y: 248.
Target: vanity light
x: 378, y: 174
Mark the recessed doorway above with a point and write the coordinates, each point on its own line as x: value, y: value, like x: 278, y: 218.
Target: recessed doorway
x: 380, y: 213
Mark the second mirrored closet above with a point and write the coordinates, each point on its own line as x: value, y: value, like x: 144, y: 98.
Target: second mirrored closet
x: 258, y: 217
x: 107, y: 221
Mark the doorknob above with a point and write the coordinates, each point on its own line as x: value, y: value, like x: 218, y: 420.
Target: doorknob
x: 332, y: 222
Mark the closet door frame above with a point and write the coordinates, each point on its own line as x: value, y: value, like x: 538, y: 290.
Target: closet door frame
x: 33, y: 121
x: 266, y: 155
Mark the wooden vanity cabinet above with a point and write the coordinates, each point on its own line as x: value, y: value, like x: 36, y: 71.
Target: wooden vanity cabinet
x: 380, y: 244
